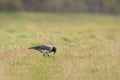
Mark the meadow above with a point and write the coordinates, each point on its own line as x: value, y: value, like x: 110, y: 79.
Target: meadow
x: 88, y: 46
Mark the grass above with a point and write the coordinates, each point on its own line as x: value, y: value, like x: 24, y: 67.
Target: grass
x: 88, y: 46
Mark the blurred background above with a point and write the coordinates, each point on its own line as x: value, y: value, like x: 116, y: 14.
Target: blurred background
x: 85, y: 32
x: 91, y: 6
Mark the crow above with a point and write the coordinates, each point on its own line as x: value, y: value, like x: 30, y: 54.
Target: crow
x: 45, y: 49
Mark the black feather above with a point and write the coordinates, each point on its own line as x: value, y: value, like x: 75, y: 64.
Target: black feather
x: 42, y: 47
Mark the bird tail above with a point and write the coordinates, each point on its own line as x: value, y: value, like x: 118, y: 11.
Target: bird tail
x: 36, y: 48
x: 31, y: 48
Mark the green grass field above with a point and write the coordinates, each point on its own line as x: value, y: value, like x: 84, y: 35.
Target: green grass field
x: 88, y: 46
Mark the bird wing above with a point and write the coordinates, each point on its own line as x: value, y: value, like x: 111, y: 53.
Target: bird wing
x: 43, y: 47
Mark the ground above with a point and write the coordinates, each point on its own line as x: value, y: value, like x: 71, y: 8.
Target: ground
x: 88, y: 46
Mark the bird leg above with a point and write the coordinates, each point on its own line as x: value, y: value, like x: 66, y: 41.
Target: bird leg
x: 48, y: 55
x: 44, y: 55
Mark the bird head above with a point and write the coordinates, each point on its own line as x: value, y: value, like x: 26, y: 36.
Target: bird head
x: 54, y: 50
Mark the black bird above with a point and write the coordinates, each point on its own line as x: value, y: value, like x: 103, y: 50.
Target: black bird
x: 45, y: 49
